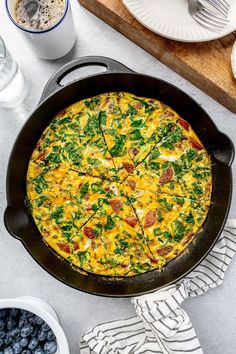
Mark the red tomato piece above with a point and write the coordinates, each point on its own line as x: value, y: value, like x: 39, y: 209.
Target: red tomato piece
x: 150, y: 218
x: 195, y: 144
x: 75, y: 246
x: 131, y: 220
x: 61, y: 113
x: 116, y: 205
x: 63, y: 247
x: 164, y: 250
x: 167, y: 175
x: 184, y: 124
x: 128, y: 166
x: 88, y: 231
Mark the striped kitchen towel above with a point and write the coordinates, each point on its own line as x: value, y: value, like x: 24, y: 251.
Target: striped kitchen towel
x: 161, y: 325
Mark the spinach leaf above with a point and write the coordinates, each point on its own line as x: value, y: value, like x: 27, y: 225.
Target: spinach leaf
x: 159, y: 216
x: 136, y: 135
x: 201, y: 172
x: 92, y: 126
x: 110, y: 223
x: 154, y: 154
x: 123, y: 245
x: 82, y: 257
x: 197, y: 189
x: 93, y: 102
x: 116, y: 150
x: 40, y: 183
x: 77, y: 215
x: 137, y: 123
x: 54, y: 158
x: 96, y: 188
x: 172, y: 138
x: 148, y: 108
x: 165, y: 204
x: 102, y: 118
x: 131, y: 111
x: 40, y: 201
x: 93, y: 162
x: 63, y: 120
x: 178, y: 229
x: 190, y: 219
x: 58, y: 214
x: 179, y: 200
x: 84, y: 189
x: 154, y: 166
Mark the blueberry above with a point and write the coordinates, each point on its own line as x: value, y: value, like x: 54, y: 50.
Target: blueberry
x: 35, y: 332
x: 42, y: 335
x: 26, y: 330
x: 2, y: 323
x: 24, y: 342
x: 38, y: 320
x: 39, y: 350
x: 2, y: 334
x: 45, y: 327
x: 50, y: 347
x: 3, y: 313
x: 14, y: 334
x: 10, y: 324
x: 8, y: 350
x: 26, y: 351
x: 17, y: 348
x: 32, y: 320
x: 50, y: 335
x: 1, y: 343
x: 13, y: 312
x: 8, y: 340
x: 33, y: 343
x: 26, y: 314
x: 22, y: 322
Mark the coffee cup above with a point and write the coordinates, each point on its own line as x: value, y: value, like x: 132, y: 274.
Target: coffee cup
x: 47, y: 43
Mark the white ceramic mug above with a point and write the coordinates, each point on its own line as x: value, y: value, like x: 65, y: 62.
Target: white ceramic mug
x: 51, y: 43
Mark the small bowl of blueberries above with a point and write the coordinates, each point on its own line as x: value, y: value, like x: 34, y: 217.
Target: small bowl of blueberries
x: 29, y: 325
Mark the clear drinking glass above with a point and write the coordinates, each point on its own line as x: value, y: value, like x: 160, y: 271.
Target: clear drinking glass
x: 11, y: 79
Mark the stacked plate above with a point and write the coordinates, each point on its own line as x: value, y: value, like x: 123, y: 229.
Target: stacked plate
x: 171, y: 19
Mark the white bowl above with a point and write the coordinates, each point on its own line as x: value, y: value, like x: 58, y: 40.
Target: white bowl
x: 43, y: 310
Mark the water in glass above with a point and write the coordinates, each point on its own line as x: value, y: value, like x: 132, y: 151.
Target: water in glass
x: 11, y: 79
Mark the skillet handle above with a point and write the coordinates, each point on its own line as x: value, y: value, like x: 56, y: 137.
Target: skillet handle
x: 16, y: 220
x: 224, y: 150
x: 54, y: 83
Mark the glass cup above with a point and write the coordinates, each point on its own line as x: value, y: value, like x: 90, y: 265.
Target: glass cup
x: 11, y: 79
x: 50, y: 43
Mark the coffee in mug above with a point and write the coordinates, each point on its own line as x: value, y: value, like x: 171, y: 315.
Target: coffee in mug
x: 39, y: 14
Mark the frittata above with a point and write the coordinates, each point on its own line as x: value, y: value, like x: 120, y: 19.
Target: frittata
x: 119, y: 185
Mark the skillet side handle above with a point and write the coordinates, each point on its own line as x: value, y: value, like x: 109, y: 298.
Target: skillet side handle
x: 15, y: 221
x: 224, y: 151
x: 54, y: 83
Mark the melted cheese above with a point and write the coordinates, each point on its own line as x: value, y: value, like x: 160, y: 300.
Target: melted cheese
x: 119, y: 185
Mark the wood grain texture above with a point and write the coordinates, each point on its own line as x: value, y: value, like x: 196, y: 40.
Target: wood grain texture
x: 206, y: 65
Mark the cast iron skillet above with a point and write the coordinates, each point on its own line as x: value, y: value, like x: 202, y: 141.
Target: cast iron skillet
x: 19, y: 222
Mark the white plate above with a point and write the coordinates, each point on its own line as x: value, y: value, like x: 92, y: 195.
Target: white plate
x: 170, y: 19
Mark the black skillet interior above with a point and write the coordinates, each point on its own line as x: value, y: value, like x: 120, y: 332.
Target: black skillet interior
x: 19, y: 222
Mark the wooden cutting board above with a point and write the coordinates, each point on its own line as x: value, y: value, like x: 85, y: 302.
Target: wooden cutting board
x: 206, y: 65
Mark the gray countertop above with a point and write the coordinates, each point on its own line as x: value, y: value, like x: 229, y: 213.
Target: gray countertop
x: 213, y: 314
